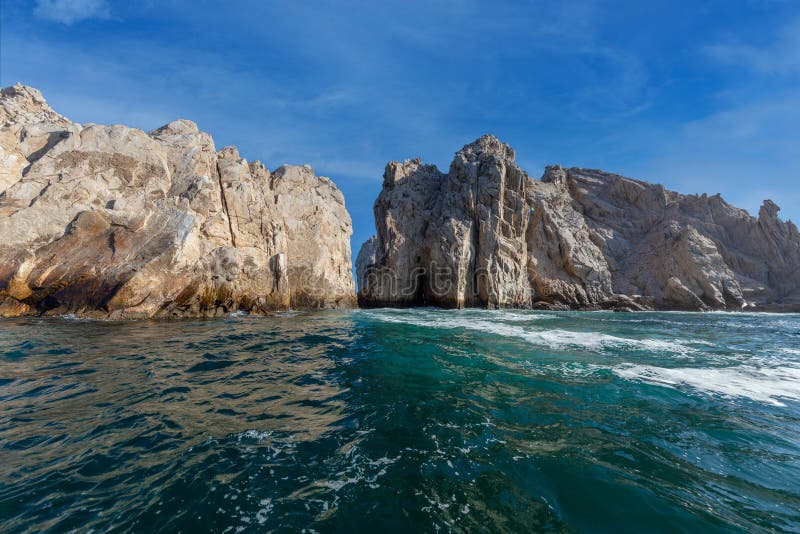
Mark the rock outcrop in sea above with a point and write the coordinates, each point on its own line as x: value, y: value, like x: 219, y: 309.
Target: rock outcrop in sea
x: 111, y: 221
x: 485, y: 234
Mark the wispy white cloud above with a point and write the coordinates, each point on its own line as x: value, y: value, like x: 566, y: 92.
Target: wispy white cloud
x: 781, y: 56
x: 71, y: 11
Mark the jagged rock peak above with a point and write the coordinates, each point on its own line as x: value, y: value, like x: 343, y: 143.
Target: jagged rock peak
x: 769, y: 210
x: 22, y: 104
x: 18, y: 90
x: 554, y: 173
x: 486, y: 146
x: 397, y: 172
x: 176, y: 127
x: 229, y: 152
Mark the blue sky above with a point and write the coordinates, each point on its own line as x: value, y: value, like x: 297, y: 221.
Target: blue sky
x: 701, y: 95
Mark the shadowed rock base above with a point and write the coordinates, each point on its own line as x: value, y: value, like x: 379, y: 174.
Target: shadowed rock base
x: 487, y: 235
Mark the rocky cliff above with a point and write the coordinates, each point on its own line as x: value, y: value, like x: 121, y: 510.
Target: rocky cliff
x: 114, y: 222
x: 486, y: 234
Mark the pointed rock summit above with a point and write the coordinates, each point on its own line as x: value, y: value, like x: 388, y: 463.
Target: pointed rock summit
x: 110, y: 221
x: 23, y: 105
x: 486, y: 146
x: 486, y: 234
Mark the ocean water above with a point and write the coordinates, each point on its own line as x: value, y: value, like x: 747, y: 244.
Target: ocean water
x: 416, y: 420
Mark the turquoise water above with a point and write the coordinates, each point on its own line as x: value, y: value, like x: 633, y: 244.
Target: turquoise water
x: 403, y: 420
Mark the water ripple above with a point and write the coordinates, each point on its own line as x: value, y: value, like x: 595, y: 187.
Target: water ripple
x: 419, y: 420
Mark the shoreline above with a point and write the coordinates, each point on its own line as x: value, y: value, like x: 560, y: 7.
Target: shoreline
x: 289, y: 313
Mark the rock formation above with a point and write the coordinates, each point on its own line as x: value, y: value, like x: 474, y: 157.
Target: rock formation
x: 485, y: 234
x: 111, y: 221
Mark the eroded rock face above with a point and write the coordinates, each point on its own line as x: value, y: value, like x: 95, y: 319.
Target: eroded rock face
x: 406, y: 207
x: 114, y: 222
x: 477, y: 237
x: 485, y: 234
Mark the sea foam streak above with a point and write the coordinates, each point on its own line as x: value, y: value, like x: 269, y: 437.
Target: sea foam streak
x: 761, y: 379
x: 763, y: 384
x: 550, y: 338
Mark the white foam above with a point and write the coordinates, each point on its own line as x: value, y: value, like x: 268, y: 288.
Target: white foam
x: 504, y: 315
x: 263, y: 513
x: 254, y: 435
x: 288, y: 313
x: 74, y: 317
x: 551, y: 338
x: 564, y: 369
x: 762, y: 384
x: 361, y: 470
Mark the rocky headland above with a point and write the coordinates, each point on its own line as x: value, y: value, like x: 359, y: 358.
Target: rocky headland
x: 485, y: 234
x: 115, y: 222
x: 111, y: 221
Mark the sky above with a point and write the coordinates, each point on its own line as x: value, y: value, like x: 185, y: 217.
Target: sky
x: 700, y: 95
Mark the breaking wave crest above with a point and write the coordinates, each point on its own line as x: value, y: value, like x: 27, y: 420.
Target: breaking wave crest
x: 764, y: 384
x: 724, y: 369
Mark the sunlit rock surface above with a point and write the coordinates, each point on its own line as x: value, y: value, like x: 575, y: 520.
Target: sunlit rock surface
x: 486, y: 234
x: 112, y: 221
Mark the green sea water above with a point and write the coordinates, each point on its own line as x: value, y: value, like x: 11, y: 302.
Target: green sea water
x: 416, y: 420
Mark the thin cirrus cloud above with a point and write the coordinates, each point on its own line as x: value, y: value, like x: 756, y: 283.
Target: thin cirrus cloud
x: 69, y: 12
x: 780, y: 57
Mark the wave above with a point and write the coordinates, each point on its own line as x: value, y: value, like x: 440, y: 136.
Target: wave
x: 762, y: 384
x: 550, y: 338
